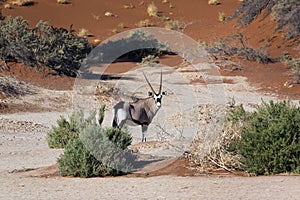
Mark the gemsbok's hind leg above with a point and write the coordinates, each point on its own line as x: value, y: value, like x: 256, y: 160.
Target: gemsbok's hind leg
x: 144, y: 131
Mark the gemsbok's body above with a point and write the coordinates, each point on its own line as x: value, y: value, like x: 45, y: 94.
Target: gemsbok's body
x: 140, y: 112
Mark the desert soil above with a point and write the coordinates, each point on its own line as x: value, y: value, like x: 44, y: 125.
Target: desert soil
x: 34, y: 101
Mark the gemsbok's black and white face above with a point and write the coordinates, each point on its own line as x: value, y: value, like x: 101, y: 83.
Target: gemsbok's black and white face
x: 157, y: 97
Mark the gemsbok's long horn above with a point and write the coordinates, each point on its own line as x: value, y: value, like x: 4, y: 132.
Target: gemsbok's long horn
x: 149, y: 83
x: 160, y: 85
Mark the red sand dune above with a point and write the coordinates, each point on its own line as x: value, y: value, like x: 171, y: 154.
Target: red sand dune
x: 198, y: 20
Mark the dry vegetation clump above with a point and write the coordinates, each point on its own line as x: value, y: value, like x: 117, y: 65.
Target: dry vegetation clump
x: 122, y: 25
x: 263, y: 142
x: 83, y: 33
x: 130, y: 6
x: 23, y: 2
x: 294, y: 64
x: 224, y: 49
x: 221, y: 17
x: 9, y: 87
x: 149, y: 60
x: 63, y: 1
x: 285, y: 12
x: 213, y: 2
x: 209, y: 150
x: 172, y: 24
x: 144, y: 23
x: 7, y: 6
x: 152, y: 10
x: 108, y: 14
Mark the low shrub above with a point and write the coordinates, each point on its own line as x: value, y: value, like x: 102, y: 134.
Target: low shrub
x: 294, y: 64
x: 136, y: 46
x: 285, y: 12
x: 78, y: 161
x: 222, y: 48
x: 68, y: 130
x: 270, y: 143
x: 263, y: 142
x: 94, y: 154
x: 57, y: 48
x: 120, y: 138
x: 90, y: 150
x: 172, y: 24
x: 65, y: 131
x: 150, y: 60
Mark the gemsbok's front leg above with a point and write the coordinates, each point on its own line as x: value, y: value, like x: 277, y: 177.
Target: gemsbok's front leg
x: 144, y: 131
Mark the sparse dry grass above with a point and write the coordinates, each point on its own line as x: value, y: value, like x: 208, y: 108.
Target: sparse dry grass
x: 152, y: 10
x: 144, y: 23
x: 96, y: 17
x: 108, y: 14
x: 209, y: 151
x: 7, y: 6
x: 128, y: 6
x: 213, y: 2
x: 222, y: 17
x: 83, y: 33
x: 122, y: 26
x: 172, y: 24
x: 62, y: 1
x: 23, y: 2
x: 149, y: 60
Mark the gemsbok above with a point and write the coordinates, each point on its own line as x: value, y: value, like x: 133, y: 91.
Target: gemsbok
x: 140, y: 112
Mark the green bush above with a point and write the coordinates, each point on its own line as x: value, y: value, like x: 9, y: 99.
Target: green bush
x: 118, y: 137
x: 56, y: 48
x: 270, y: 140
x: 95, y: 154
x: 78, y: 161
x: 91, y: 150
x: 65, y: 131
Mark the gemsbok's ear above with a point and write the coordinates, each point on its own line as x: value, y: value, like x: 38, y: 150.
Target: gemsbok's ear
x: 150, y: 94
x: 164, y: 93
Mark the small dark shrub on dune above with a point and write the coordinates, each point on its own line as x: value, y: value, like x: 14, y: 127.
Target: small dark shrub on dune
x: 285, y: 12
x: 247, y: 53
x: 293, y: 63
x: 135, y: 47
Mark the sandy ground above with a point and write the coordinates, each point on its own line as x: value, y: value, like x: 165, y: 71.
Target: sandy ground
x: 27, y: 171
x: 14, y: 186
